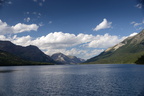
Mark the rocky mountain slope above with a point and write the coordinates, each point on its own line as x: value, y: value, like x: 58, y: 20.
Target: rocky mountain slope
x: 64, y: 59
x: 131, y: 50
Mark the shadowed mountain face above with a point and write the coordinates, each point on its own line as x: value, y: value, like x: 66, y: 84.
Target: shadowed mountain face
x: 30, y: 53
x: 128, y: 51
x: 9, y: 59
x: 64, y: 59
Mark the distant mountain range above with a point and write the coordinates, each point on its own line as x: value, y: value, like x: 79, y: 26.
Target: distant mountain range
x: 11, y: 54
x: 64, y: 59
x: 129, y: 51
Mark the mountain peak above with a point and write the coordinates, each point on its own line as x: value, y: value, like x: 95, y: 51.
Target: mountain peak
x: 64, y: 59
x: 58, y: 53
x: 32, y: 47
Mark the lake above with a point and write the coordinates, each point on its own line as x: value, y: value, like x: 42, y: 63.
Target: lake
x: 72, y: 80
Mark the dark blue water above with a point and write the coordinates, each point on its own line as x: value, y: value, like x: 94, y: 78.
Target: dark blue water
x: 72, y: 80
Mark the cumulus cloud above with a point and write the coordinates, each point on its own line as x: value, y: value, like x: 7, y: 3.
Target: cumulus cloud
x: 5, y: 28
x: 104, y: 41
x: 18, y: 28
x: 103, y: 25
x: 24, y: 40
x: 57, y: 40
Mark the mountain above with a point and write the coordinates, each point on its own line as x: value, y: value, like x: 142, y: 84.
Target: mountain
x: 64, y: 59
x: 7, y: 59
x: 29, y: 53
x: 129, y: 51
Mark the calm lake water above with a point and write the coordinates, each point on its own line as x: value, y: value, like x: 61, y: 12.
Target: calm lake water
x: 72, y: 80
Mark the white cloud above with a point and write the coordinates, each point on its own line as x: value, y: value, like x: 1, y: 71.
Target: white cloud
x: 138, y: 26
x: 135, y: 24
x: 18, y: 28
x: 73, y: 51
x: 93, y: 53
x: 2, y: 37
x: 9, y: 2
x: 5, y: 28
x: 133, y: 34
x: 27, y: 13
x: 43, y: 0
x: 139, y: 6
x: 24, y: 40
x: 103, y: 25
x: 81, y: 53
x: 57, y: 40
x: 33, y: 16
x: 41, y: 24
x: 27, y: 19
x: 50, y: 22
x: 105, y: 41
x: 40, y: 4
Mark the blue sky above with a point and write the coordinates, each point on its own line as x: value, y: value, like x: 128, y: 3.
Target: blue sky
x: 83, y: 28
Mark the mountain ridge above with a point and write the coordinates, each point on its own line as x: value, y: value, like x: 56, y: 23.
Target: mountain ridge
x: 65, y: 59
x: 126, y: 52
x: 28, y: 53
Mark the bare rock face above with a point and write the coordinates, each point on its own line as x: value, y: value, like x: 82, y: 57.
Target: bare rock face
x: 64, y: 59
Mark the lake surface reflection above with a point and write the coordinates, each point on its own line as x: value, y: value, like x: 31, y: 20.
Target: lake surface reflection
x: 72, y: 80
